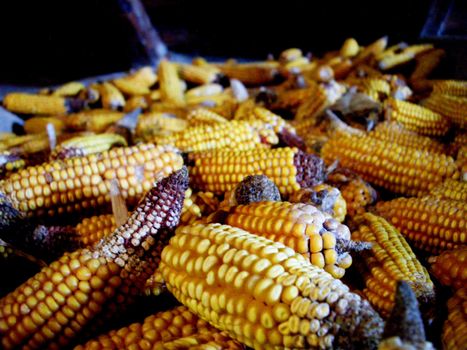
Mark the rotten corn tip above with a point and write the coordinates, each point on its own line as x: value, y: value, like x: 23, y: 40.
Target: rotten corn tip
x: 256, y: 188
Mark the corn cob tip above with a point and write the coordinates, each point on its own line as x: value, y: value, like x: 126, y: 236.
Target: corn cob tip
x: 311, y: 170
x: 256, y: 188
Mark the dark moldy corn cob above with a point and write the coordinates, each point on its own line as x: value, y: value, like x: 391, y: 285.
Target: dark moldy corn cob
x: 90, y: 285
x: 82, y: 183
x: 430, y: 224
x: 455, y: 327
x: 264, y: 294
x: 399, y: 169
x: 289, y: 168
x: 390, y: 260
x: 177, y: 328
x: 322, y: 240
x: 450, y: 267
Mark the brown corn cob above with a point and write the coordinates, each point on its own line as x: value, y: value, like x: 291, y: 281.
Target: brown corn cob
x: 430, y: 224
x: 199, y: 74
x: 51, y: 308
x: 177, y: 328
x: 399, y: 169
x: 111, y: 97
x: 83, y: 183
x: 302, y: 227
x: 451, y: 189
x: 203, y: 116
x: 96, y: 120
x: 262, y: 293
x: 137, y: 83
x: 37, y: 125
x: 35, y: 104
x: 326, y: 198
x: 10, y: 163
x: 450, y: 267
x: 395, y: 132
x: 426, y: 63
x: 170, y: 84
x: 455, y: 327
x: 256, y: 73
x: 350, y: 48
x: 452, y: 107
x: 88, y: 144
x: 390, y: 260
x: 416, y: 118
x: 289, y: 168
x: 450, y: 87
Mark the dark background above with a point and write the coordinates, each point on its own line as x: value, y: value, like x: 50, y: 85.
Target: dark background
x: 50, y: 42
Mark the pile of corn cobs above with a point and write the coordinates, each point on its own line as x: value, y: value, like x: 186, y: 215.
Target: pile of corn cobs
x: 294, y: 203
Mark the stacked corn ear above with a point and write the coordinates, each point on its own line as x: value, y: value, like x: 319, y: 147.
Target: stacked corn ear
x: 454, y: 335
x: 450, y: 267
x: 262, y: 293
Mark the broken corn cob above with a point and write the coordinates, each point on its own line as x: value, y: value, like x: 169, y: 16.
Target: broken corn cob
x: 450, y: 267
x: 430, y: 224
x: 82, y: 183
x: 300, y: 226
x: 91, y: 285
x: 452, y: 107
x: 451, y: 189
x: 36, y: 104
x: 399, y: 169
x: 262, y: 293
x: 390, y: 260
x: 289, y: 168
x: 416, y: 118
x: 455, y: 327
x: 170, y: 84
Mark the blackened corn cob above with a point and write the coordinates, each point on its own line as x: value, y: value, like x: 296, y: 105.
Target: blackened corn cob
x: 450, y: 267
x: 88, y: 285
x: 262, y: 293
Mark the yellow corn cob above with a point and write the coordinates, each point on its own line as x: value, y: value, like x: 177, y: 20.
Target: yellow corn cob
x: 426, y: 63
x: 326, y: 198
x: 272, y: 120
x: 450, y: 87
x: 450, y: 267
x: 10, y: 163
x: 451, y: 189
x: 290, y: 55
x: 350, y: 48
x: 371, y: 50
x: 396, y: 133
x: 234, y: 135
x: 455, y: 327
x: 137, y: 83
x: 174, y: 329
x: 416, y: 118
x: 199, y: 74
x: 203, y: 116
x: 72, y: 88
x: 430, y: 224
x: 262, y: 293
x: 84, y: 182
x: 37, y: 125
x: 405, y: 56
x: 111, y: 97
x: 255, y: 73
x: 301, y: 227
x: 390, y: 260
x: 397, y: 168
x: 204, y: 90
x: 6, y: 135
x: 391, y: 51
x: 461, y: 162
x: 154, y: 124
x: 170, y: 84
x: 290, y: 169
x: 39, y: 143
x: 96, y: 120
x: 373, y: 87
x: 35, y: 104
x: 452, y: 107
x: 90, y: 286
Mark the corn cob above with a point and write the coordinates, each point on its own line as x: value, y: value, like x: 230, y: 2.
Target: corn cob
x: 262, y: 293
x: 90, y: 285
x: 289, y: 168
x: 204, y: 90
x: 290, y: 55
x: 72, y: 88
x: 416, y: 118
x: 390, y: 260
x: 426, y: 63
x: 461, y: 162
x: 450, y: 87
x: 404, y: 330
x: 371, y: 51
x: 83, y: 183
x: 154, y: 124
x: 37, y: 125
x: 430, y: 224
x: 10, y: 163
x: 302, y: 227
x: 203, y: 116
x: 96, y: 120
x: 255, y: 73
x: 170, y: 84
x: 399, y: 169
x: 135, y: 102
x: 234, y: 135
x: 292, y: 99
x: 111, y: 97
x: 177, y: 328
x: 405, y: 56
x: 455, y: 327
x: 326, y: 198
x: 323, y: 97
x: 350, y: 48
x: 199, y: 74
x: 36, y: 104
x: 452, y: 107
x: 451, y: 189
x: 396, y: 133
x: 84, y: 145
x: 450, y: 267
x: 137, y: 83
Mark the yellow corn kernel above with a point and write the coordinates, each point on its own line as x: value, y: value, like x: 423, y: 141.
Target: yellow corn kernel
x: 450, y: 87
x: 454, y: 335
x: 452, y: 107
x: 451, y: 189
